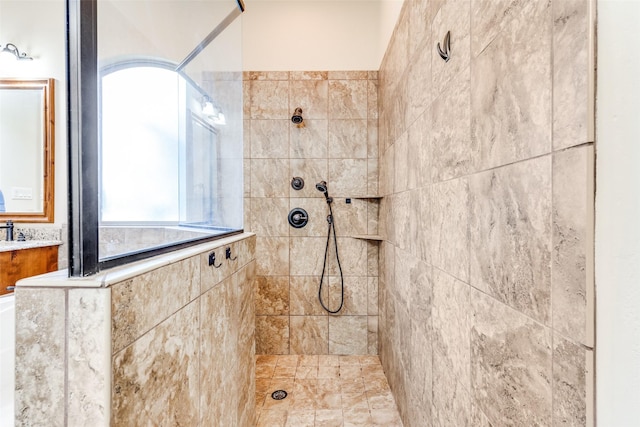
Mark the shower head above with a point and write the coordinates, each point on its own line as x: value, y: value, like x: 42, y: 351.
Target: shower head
x: 297, y: 117
x: 322, y: 187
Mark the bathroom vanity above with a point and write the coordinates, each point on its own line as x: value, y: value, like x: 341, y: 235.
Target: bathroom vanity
x: 25, y: 259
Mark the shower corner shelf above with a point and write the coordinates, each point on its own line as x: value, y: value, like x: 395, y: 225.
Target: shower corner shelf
x: 372, y: 237
x: 367, y: 197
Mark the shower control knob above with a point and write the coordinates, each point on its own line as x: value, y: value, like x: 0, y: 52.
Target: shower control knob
x: 297, y: 183
x: 298, y: 218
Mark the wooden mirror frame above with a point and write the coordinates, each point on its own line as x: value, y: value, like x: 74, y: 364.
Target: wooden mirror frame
x: 48, y: 88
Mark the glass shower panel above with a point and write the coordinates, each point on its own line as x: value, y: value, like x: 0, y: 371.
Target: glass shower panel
x: 171, y: 123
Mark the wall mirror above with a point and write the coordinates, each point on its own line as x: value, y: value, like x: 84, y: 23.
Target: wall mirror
x: 27, y: 150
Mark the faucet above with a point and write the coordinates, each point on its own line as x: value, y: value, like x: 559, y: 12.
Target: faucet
x: 9, y: 227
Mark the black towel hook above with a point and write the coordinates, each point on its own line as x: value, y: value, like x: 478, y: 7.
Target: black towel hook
x: 446, y: 54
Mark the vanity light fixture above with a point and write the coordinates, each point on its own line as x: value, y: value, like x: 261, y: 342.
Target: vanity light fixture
x: 12, y: 49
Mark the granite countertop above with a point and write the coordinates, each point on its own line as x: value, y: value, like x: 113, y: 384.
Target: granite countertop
x: 28, y: 244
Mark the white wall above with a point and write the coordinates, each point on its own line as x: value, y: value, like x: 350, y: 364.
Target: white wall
x: 38, y: 28
x: 618, y: 214
x: 317, y: 35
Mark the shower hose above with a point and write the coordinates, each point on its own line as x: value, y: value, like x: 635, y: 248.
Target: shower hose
x: 331, y: 227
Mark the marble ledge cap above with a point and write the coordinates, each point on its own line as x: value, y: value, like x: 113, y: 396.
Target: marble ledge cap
x: 60, y: 278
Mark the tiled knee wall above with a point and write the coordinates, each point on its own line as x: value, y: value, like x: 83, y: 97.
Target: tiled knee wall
x: 171, y: 345
x: 339, y: 145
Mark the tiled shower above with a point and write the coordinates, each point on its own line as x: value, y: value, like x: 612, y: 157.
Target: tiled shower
x: 480, y: 295
x: 338, y: 145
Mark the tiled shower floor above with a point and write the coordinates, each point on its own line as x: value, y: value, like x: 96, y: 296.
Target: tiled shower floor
x: 324, y: 391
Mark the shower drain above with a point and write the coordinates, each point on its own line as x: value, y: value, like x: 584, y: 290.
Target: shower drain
x: 279, y: 394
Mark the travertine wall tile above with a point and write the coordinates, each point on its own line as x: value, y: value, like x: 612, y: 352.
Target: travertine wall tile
x: 572, y: 373
x: 169, y: 288
x: 310, y: 95
x: 272, y: 334
x: 573, y: 213
x: 311, y: 141
x: 348, y: 335
x: 274, y: 208
x: 339, y: 145
x: 309, y: 334
x: 450, y: 227
x: 270, y: 99
x: 477, y: 200
x: 40, y: 353
x: 510, y: 223
x: 89, y: 362
x: 517, y: 389
x: 304, y: 295
x: 571, y: 112
x: 269, y: 139
x: 453, y: 152
x: 156, y: 377
x: 511, y: 100
x: 272, y: 295
x: 348, y: 139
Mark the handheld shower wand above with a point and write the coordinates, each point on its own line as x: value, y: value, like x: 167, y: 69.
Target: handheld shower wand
x: 322, y: 187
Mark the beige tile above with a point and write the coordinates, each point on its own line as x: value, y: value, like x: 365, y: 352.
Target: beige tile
x: 572, y: 380
x: 348, y: 139
x: 266, y: 359
x: 270, y: 139
x: 161, y: 366
x: 308, y: 75
x: 301, y: 418
x: 272, y: 295
x: 453, y: 152
x: 270, y: 177
x: 311, y: 95
x: 348, y: 75
x: 510, y: 222
x: 350, y: 218
x: 272, y: 334
x: 272, y: 418
x: 269, y: 99
x: 309, y: 334
x: 329, y: 372
x: 352, y: 291
x: 307, y: 360
x: 328, y: 418
x: 307, y: 254
x: 518, y: 389
x: 511, y: 100
x: 328, y: 395
x: 347, y: 177
x: 307, y: 372
x: 309, y: 142
x: 355, y: 384
x: 168, y: 288
x: 288, y: 360
x: 303, y: 394
x: 372, y: 334
x: 348, y: 335
x: 264, y: 371
x: 450, y: 222
x: 304, y: 296
x: 276, y: 209
x: 328, y: 360
x: 572, y: 269
x: 572, y: 114
x: 348, y: 99
x: 272, y: 256
x: 40, y: 353
x: 401, y: 160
